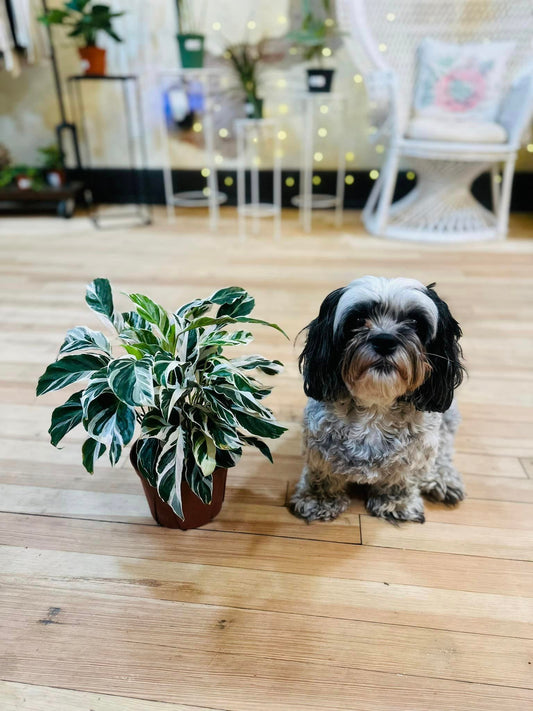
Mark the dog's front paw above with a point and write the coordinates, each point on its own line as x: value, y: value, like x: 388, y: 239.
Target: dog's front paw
x: 396, y: 509
x: 447, y: 486
x: 312, y: 509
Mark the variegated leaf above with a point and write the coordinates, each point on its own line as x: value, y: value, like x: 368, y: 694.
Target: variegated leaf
x: 132, y: 381
x: 99, y: 298
x: 204, y: 450
x: 169, y: 470
x: 148, y: 451
x: 110, y: 422
x: 65, y: 418
x: 269, y: 367
x: 69, y: 370
x: 84, y: 339
x: 91, y: 451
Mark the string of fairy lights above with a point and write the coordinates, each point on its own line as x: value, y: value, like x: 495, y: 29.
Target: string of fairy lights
x: 283, y: 109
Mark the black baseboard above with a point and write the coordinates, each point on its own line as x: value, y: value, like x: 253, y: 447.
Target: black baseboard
x: 117, y: 185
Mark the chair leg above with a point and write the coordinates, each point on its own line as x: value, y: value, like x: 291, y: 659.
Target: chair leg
x: 505, y: 198
x: 390, y: 172
x: 494, y: 189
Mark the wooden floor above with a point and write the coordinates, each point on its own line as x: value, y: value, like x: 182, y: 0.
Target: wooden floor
x: 102, y: 610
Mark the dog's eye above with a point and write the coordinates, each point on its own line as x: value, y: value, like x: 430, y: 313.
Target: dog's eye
x: 358, y: 323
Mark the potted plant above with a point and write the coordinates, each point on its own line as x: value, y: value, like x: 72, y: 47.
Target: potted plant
x: 313, y: 39
x: 195, y: 407
x: 85, y: 21
x: 191, y: 43
x: 53, y: 166
x: 24, y: 177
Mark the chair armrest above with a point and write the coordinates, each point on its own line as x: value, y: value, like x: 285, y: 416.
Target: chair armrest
x: 516, y: 108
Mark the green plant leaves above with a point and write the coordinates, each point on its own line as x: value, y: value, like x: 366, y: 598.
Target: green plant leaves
x: 259, y: 426
x: 169, y: 470
x: 110, y: 422
x: 148, y: 451
x: 269, y: 367
x: 69, y: 370
x: 65, y: 418
x: 91, y: 451
x: 84, y: 339
x: 153, y: 313
x: 132, y: 381
x: 99, y: 298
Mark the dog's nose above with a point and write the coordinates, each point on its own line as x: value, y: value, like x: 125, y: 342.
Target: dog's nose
x: 384, y: 343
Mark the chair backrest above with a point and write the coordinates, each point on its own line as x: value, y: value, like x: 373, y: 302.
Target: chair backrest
x: 385, y: 34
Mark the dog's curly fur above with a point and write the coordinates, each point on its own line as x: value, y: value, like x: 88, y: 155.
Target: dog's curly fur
x: 380, y: 364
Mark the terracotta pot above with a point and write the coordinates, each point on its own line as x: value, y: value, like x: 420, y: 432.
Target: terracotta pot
x: 93, y: 60
x: 195, y: 511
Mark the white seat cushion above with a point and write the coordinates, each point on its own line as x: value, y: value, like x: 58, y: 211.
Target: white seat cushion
x: 458, y: 131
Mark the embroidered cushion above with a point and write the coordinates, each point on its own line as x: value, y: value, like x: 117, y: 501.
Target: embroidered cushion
x: 460, y: 81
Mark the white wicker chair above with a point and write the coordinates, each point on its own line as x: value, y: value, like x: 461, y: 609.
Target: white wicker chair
x: 383, y: 37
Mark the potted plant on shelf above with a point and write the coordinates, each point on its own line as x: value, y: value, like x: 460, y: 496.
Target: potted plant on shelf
x: 85, y: 20
x: 190, y: 41
x: 53, y: 166
x: 313, y: 39
x: 196, y: 408
x: 22, y: 176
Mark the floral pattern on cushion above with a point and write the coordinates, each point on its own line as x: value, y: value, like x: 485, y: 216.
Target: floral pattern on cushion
x: 460, y: 81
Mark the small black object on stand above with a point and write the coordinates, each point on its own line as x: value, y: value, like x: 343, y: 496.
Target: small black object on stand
x: 142, y: 214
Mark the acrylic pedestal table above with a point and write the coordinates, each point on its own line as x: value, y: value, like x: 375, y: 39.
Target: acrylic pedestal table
x: 314, y: 105
x: 206, y: 85
x: 258, y: 143
x: 135, y: 144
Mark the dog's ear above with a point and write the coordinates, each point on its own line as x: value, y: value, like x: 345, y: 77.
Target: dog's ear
x: 320, y: 360
x: 444, y: 355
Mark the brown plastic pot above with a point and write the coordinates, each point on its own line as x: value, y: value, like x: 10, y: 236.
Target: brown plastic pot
x: 93, y: 59
x: 195, y: 511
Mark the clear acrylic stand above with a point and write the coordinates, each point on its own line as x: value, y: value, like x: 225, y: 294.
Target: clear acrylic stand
x: 209, y: 81
x: 315, y: 104
x: 255, y: 138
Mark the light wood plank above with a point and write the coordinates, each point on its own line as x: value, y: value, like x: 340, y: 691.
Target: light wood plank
x: 75, y: 625
x: 271, y: 591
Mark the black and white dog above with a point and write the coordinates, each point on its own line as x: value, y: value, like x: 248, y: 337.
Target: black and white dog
x: 380, y: 365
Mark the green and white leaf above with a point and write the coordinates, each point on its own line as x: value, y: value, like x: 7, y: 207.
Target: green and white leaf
x: 269, y: 367
x: 65, y: 418
x: 99, y: 298
x: 110, y: 422
x: 204, y: 450
x: 85, y: 339
x: 148, y: 451
x: 132, y: 381
x: 91, y: 451
x: 68, y: 370
x: 169, y: 470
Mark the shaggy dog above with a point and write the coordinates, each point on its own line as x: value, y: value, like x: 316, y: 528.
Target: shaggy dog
x: 380, y: 365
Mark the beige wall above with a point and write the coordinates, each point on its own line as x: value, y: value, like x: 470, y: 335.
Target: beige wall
x: 28, y: 109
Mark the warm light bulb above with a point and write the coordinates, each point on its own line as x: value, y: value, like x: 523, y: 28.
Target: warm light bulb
x: 223, y: 133
x: 197, y: 127
x: 318, y: 156
x: 206, y: 172
x: 289, y: 182
x: 282, y: 135
x: 349, y: 180
x: 357, y: 78
x: 283, y: 108
x: 329, y: 22
x: 251, y: 25
x: 324, y: 109
x: 219, y: 159
x: 282, y: 83
x: 317, y: 180
x: 530, y: 147
x: 382, y: 47
x: 349, y: 156
x: 374, y: 174
x: 410, y: 175
x: 391, y: 16
x: 228, y: 181
x: 380, y: 148
x: 293, y: 51
x: 322, y: 132
x: 206, y: 192
x: 326, y: 52
x: 282, y: 20
x: 217, y: 26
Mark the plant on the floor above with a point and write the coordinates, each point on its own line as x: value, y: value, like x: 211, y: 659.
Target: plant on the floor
x: 313, y: 39
x: 86, y: 20
x: 196, y: 407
